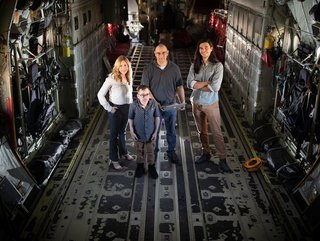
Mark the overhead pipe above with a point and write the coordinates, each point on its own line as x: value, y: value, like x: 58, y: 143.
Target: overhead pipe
x: 191, y: 8
x: 20, y: 103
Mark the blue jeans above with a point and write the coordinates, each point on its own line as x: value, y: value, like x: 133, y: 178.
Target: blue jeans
x: 118, y: 124
x: 170, y: 124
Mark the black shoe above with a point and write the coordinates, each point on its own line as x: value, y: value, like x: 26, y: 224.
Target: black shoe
x: 203, y: 158
x: 152, y: 172
x: 172, y: 156
x: 139, y: 170
x: 224, y: 167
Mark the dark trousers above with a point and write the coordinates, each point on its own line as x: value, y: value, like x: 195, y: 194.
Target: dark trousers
x: 118, y: 124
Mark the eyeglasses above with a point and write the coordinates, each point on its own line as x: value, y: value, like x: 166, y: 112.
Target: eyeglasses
x: 144, y: 95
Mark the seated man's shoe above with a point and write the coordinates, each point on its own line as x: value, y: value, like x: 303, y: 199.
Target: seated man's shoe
x: 116, y: 165
x: 139, y: 170
x: 173, y: 157
x: 128, y: 157
x: 203, y: 158
x: 152, y: 171
x: 224, y: 167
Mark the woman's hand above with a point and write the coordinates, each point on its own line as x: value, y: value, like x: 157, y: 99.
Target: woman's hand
x: 114, y: 109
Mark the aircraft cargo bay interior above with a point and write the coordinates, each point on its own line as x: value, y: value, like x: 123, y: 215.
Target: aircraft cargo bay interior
x: 236, y: 154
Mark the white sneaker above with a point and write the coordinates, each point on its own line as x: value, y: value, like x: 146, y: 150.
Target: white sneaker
x: 116, y: 165
x: 128, y: 157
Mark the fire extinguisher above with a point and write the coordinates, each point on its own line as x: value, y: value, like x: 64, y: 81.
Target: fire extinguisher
x: 66, y: 47
x: 269, y: 41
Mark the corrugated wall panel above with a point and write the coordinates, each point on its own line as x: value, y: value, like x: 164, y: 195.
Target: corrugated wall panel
x: 89, y: 68
x: 250, y: 26
x: 250, y: 79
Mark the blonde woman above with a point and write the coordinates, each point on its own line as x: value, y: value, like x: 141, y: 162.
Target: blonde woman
x: 118, y: 86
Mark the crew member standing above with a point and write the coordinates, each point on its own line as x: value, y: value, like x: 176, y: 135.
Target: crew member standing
x: 163, y: 77
x: 119, y: 87
x: 205, y: 78
x: 144, y: 121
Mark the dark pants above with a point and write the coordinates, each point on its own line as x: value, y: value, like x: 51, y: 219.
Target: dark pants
x: 118, y: 124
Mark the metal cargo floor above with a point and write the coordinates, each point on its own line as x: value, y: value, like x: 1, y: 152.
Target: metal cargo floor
x: 86, y: 199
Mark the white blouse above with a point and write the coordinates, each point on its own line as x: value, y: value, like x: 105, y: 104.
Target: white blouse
x: 119, y: 93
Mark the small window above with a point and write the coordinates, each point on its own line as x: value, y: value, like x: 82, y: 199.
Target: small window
x: 84, y: 19
x: 89, y: 16
x: 76, y: 23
